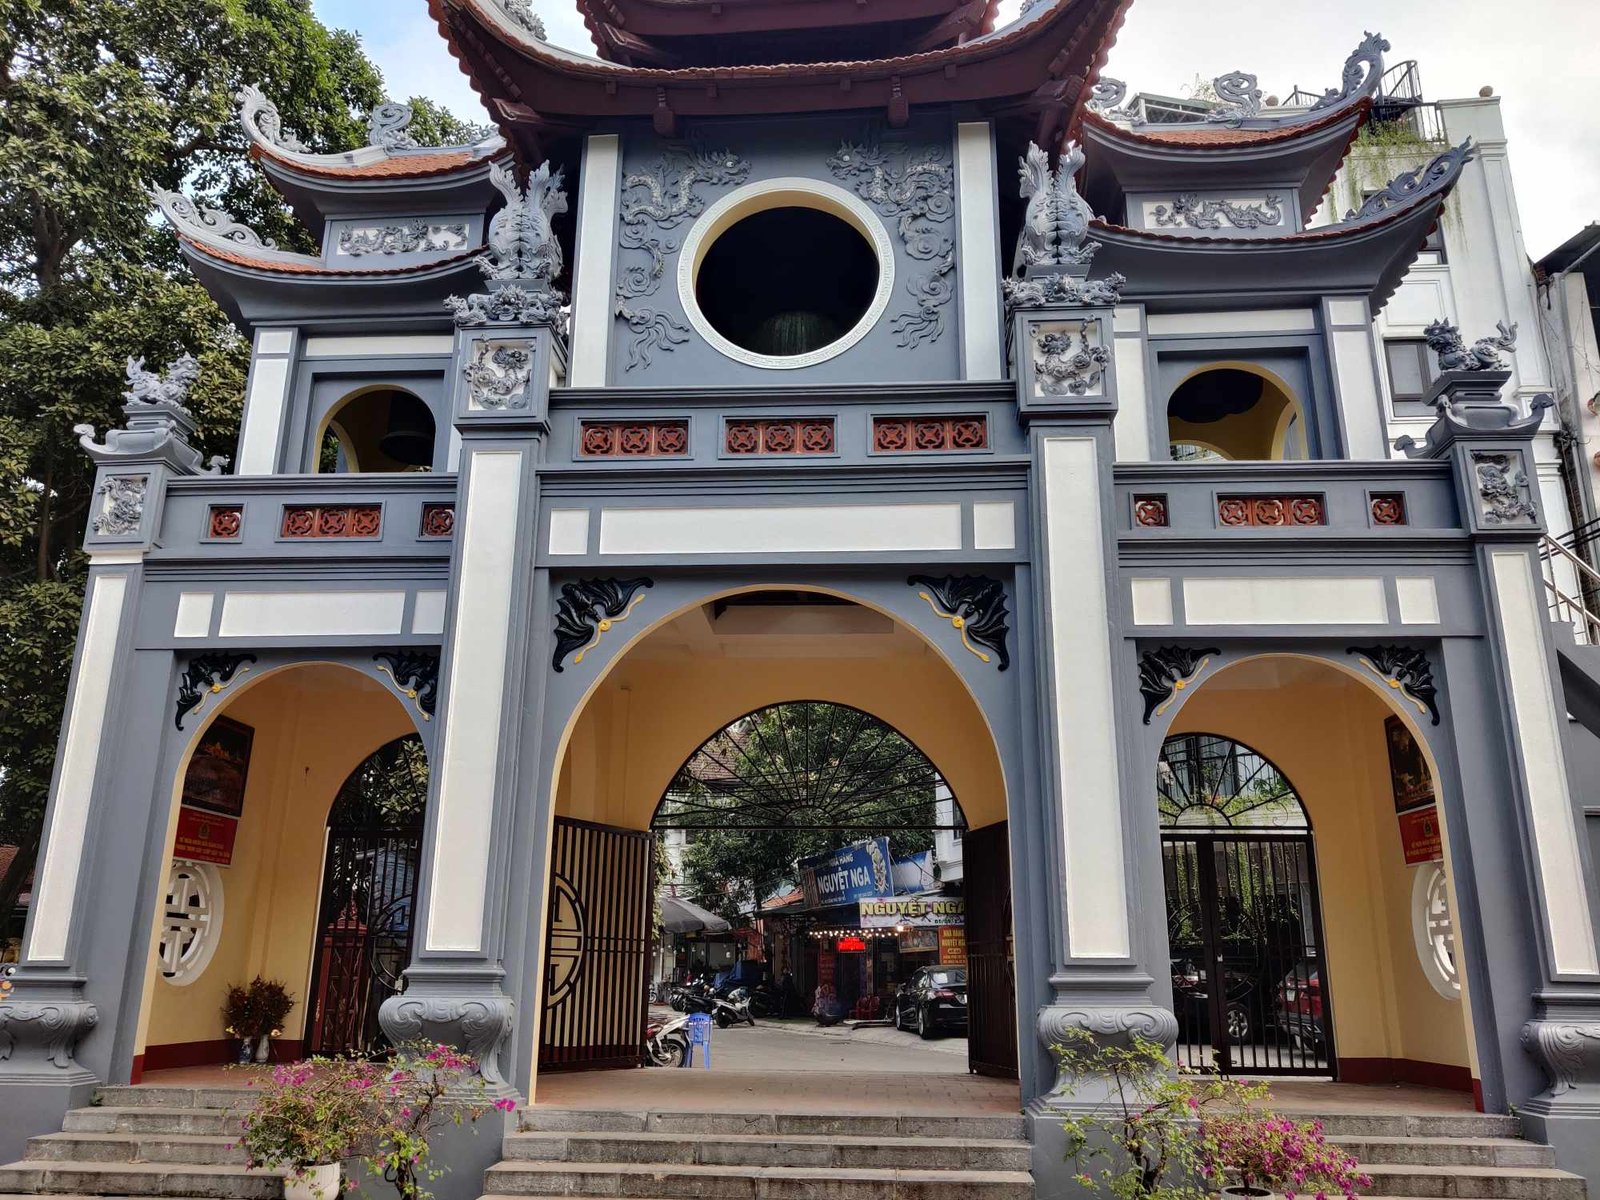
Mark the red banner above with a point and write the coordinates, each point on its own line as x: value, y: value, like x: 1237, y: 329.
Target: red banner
x: 1419, y: 835
x: 205, y: 837
x: 952, y: 944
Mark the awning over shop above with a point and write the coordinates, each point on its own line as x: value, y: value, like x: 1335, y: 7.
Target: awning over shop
x: 680, y: 916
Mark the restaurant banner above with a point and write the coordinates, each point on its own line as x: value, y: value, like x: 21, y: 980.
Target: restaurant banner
x: 1419, y: 836
x: 914, y: 911
x: 847, y: 875
x: 952, y: 944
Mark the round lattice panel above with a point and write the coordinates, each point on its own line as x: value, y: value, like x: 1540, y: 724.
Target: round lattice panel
x: 1433, y: 926
x: 191, y: 923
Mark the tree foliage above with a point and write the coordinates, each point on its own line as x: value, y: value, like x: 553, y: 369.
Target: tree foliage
x: 99, y: 101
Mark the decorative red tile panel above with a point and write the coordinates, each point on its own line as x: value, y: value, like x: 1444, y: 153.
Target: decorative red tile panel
x: 332, y: 521
x: 895, y: 435
x: 225, y: 522
x: 438, y: 520
x: 812, y: 435
x: 633, y: 439
x: 1150, y: 511
x: 1271, y: 510
x: 1389, y: 508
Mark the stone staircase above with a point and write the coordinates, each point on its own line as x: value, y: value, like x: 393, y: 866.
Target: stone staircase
x: 161, y: 1141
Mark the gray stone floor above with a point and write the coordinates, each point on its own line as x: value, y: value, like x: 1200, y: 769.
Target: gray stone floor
x: 805, y: 1046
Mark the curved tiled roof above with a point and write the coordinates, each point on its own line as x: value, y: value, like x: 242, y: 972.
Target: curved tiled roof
x: 397, y: 166
x: 1213, y: 136
x: 286, y: 264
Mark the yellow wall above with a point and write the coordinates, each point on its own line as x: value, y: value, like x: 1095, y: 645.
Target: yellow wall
x: 313, y: 726
x: 1325, y: 732
x: 1258, y: 434
x: 650, y: 716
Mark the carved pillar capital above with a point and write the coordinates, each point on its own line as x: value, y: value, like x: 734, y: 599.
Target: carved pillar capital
x: 1110, y: 1024
x: 1569, y: 1052
x: 467, y: 1011
x: 40, y: 1028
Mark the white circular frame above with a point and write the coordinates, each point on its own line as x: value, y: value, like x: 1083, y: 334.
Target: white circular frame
x: 787, y: 192
x: 184, y: 962
x: 1438, y: 948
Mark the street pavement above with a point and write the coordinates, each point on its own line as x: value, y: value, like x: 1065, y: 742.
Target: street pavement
x: 806, y: 1046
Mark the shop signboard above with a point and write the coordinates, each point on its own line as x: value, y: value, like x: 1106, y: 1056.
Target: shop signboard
x: 952, y: 944
x: 919, y: 941
x: 914, y: 874
x: 847, y: 875
x: 913, y: 911
x: 1419, y: 836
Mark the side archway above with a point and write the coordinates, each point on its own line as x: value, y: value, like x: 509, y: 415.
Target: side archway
x: 1237, y: 411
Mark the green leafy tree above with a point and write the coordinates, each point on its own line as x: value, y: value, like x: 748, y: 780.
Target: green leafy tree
x: 100, y: 100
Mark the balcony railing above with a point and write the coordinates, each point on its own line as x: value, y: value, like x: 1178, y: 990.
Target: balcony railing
x: 1571, y: 583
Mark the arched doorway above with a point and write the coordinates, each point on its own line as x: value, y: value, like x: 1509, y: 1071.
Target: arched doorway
x: 377, y: 429
x: 1244, y: 923
x: 369, y: 885
x: 1237, y: 412
x: 801, y: 718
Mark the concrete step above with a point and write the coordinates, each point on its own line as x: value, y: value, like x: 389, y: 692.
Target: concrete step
x: 151, y: 1119
x: 1476, y: 1183
x: 1434, y: 1125
x: 671, y: 1182
x: 33, y: 1177
x: 770, y: 1150
x: 174, y: 1097
x: 538, y: 1119
x: 189, y: 1149
x: 1431, y: 1151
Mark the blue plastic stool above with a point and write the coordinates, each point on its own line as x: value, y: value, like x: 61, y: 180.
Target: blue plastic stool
x: 699, y: 1035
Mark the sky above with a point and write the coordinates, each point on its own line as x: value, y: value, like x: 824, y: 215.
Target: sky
x: 1540, y: 64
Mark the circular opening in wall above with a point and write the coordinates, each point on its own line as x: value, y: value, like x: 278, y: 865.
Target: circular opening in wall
x: 787, y: 281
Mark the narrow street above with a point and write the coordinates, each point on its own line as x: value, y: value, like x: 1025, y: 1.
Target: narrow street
x: 802, y: 1045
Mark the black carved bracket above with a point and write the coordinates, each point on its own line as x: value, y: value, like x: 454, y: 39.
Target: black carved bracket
x: 1406, y: 670
x: 1168, y: 670
x: 975, y: 606
x: 416, y: 673
x: 204, y: 675
x: 589, y: 608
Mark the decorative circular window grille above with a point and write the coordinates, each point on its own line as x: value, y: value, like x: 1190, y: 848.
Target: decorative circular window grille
x: 793, y: 193
x: 192, y: 921
x: 1208, y: 781
x: 1434, y: 927
x: 568, y: 936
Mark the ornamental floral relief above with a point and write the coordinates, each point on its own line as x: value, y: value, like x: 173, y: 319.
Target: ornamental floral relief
x: 499, y: 376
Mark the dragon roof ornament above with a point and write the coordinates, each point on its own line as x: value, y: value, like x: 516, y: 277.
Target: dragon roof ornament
x: 215, y: 228
x: 388, y: 135
x: 159, y: 426
x: 1054, y: 249
x: 1362, y: 72
x: 524, y: 255
x: 262, y: 121
x: 1437, y: 175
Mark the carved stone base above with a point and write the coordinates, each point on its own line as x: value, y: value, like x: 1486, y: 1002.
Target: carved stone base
x: 1111, y: 1024
x: 40, y: 1028
x: 1564, y: 1039
x: 464, y: 1009
x: 1569, y: 1052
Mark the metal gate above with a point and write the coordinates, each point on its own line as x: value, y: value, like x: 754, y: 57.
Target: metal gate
x: 369, y: 887
x: 597, y: 946
x: 991, y: 965
x: 1244, y: 926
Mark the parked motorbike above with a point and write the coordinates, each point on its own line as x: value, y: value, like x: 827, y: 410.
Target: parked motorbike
x: 666, y: 1044
x: 700, y: 998
x: 735, y: 1008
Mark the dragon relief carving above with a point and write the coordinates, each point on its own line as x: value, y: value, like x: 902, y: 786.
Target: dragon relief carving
x: 121, y: 505
x: 1238, y: 99
x: 663, y: 197
x: 1408, y: 185
x: 522, y: 238
x: 388, y: 126
x: 1365, y: 65
x: 499, y: 375
x: 261, y: 116
x: 1445, y: 340
x: 1189, y: 209
x: 1066, y: 362
x: 1503, y: 489
x: 916, y: 187
x: 407, y: 237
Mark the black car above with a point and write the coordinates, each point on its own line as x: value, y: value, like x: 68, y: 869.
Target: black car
x: 934, y: 998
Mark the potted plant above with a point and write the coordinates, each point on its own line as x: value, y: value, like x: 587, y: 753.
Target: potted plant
x: 239, y: 1020
x: 1254, y: 1154
x: 254, y: 1013
x: 310, y: 1116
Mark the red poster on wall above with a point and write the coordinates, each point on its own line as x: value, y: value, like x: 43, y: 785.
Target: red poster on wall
x: 205, y: 837
x: 1419, y: 835
x: 952, y: 943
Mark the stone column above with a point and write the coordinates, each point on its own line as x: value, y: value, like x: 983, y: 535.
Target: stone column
x: 508, y: 350
x: 49, y: 1009
x: 1490, y: 447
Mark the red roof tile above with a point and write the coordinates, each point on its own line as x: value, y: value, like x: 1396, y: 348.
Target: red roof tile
x: 242, y: 259
x: 402, y: 166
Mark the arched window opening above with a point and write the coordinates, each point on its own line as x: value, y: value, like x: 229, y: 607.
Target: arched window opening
x: 1204, y: 781
x: 369, y: 886
x: 381, y: 430
x: 1233, y: 414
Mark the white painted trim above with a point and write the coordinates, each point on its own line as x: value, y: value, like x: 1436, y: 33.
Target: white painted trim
x: 1085, y: 704
x: 1152, y: 601
x: 1418, y: 600
x: 1355, y: 366
x: 599, y: 184
x: 194, y: 614
x: 275, y: 341
x: 114, y: 558
x: 311, y: 614
x: 56, y: 894
x: 1131, y: 426
x: 1349, y: 312
x: 267, y: 398
x: 1296, y: 600
x: 1257, y: 320
x: 427, y: 613
x: 569, y: 531
x: 787, y: 191
x: 994, y: 525
x: 842, y: 528
x: 470, y: 756
x: 379, y: 345
x: 979, y: 256
x: 1564, y: 898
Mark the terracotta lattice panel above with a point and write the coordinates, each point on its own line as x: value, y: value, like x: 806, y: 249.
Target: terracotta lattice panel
x: 923, y: 435
x: 225, y: 522
x: 438, y: 520
x: 1150, y: 511
x: 1271, y: 510
x: 633, y: 439
x: 811, y: 435
x: 1389, y: 508
x: 332, y: 521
